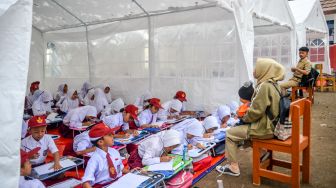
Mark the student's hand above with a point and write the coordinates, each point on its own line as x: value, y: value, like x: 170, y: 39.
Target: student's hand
x: 135, y: 133
x: 35, y: 156
x: 190, y: 146
x: 207, y: 135
x: 166, y: 158
x: 127, y: 135
x: 87, y: 123
x: 57, y: 166
x: 200, y: 146
x: 125, y: 170
x: 224, y: 125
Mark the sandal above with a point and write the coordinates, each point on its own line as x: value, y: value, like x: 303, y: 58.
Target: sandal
x: 226, y: 170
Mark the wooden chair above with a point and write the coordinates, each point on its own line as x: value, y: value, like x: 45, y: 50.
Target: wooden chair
x: 294, y: 145
x: 309, y: 90
x: 325, y: 79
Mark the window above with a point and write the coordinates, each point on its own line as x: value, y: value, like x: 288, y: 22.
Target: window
x: 330, y: 24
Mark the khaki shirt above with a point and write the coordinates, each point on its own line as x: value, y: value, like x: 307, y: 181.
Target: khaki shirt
x: 265, y: 97
x: 303, y: 64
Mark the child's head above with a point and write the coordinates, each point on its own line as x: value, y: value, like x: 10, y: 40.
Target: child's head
x: 46, y: 97
x: 246, y: 91
x: 130, y: 113
x: 181, y: 96
x: 223, y: 113
x: 154, y: 105
x: 107, y: 89
x: 74, y: 94
x: 37, y: 127
x: 90, y: 112
x: 210, y: 124
x: 175, y: 106
x: 65, y: 88
x: 25, y: 163
x: 194, y: 129
x: 171, y: 140
x: 101, y: 136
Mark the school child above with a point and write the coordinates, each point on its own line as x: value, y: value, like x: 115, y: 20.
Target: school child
x: 105, y: 164
x: 37, y: 128
x: 181, y: 96
x: 107, y: 92
x: 62, y: 91
x: 120, y: 121
x: 212, y: 128
x: 24, y: 129
x: 81, y: 116
x: 30, y: 98
x: 155, y: 149
x: 223, y: 115
x: 171, y: 109
x: 42, y: 105
x: 26, y: 169
x: 142, y: 102
x: 82, y: 144
x: 245, y: 93
x: 84, y: 91
x: 89, y: 98
x: 113, y: 108
x: 99, y: 101
x: 193, y: 135
x: 68, y: 102
x: 149, y: 116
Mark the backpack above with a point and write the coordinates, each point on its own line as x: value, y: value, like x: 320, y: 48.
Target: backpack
x: 310, y: 79
x: 282, y: 127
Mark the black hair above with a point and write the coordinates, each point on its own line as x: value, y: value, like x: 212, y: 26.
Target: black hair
x: 304, y: 49
x: 95, y: 142
x: 122, y: 110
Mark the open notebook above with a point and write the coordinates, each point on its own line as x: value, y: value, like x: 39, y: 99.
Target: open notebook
x: 129, y: 180
x: 48, y: 168
x: 67, y: 183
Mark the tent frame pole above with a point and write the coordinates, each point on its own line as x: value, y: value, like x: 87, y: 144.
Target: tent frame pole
x: 86, y: 35
x: 150, y: 46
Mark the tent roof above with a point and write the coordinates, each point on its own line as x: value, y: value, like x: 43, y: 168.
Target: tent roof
x: 49, y: 15
x: 309, y: 13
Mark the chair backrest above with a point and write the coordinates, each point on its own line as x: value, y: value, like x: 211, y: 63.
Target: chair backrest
x: 298, y: 109
x: 319, y: 67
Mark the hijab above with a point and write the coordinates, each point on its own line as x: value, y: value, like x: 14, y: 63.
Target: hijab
x: 268, y: 69
x: 99, y: 101
x: 67, y: 103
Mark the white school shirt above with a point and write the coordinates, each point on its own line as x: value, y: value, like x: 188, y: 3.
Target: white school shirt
x: 82, y: 142
x: 115, y: 120
x: 24, y: 129
x: 30, y: 183
x: 146, y: 117
x: 151, y: 149
x: 46, y: 143
x: 97, y: 170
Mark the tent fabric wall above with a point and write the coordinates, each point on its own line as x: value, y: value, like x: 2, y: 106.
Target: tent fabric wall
x: 15, y: 35
x: 189, y: 50
x: 309, y: 18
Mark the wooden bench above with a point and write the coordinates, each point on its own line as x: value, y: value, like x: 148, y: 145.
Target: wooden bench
x: 294, y: 146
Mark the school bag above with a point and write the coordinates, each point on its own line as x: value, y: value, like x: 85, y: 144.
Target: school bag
x: 310, y: 79
x: 181, y: 180
x: 281, y: 123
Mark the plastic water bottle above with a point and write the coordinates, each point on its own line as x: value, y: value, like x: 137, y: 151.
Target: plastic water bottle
x: 185, y: 153
x: 220, y: 183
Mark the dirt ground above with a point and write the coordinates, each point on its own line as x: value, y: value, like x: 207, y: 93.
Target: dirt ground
x: 323, y: 153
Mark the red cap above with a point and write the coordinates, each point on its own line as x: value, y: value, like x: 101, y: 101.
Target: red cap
x: 181, y: 95
x: 37, y: 121
x: 35, y: 85
x: 27, y: 155
x: 155, y: 102
x: 100, y: 130
x: 133, y: 110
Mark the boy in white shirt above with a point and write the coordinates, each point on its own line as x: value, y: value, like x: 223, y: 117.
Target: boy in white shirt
x: 105, y: 164
x: 37, y: 128
x: 25, y: 171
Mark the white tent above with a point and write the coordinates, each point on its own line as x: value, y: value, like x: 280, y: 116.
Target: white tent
x: 312, y: 30
x: 135, y: 46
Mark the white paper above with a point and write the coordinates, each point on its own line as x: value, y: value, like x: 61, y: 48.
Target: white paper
x: 47, y: 168
x: 161, y: 166
x: 52, y: 116
x: 193, y: 153
x: 158, y: 124
x: 67, y: 183
x: 129, y: 180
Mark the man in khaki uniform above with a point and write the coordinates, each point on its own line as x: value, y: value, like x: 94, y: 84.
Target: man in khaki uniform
x: 258, y: 125
x: 302, y: 68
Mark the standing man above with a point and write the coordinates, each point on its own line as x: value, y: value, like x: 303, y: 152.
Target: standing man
x: 302, y: 68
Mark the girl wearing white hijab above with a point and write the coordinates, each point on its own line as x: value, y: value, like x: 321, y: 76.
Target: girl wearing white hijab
x: 80, y: 116
x: 100, y: 101
x: 84, y: 90
x: 89, y: 98
x: 171, y: 109
x: 155, y: 149
x: 69, y: 102
x: 113, y: 108
x: 61, y: 92
x: 107, y: 92
x: 42, y: 105
x: 223, y: 115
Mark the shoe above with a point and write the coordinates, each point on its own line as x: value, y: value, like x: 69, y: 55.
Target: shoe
x: 226, y: 170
